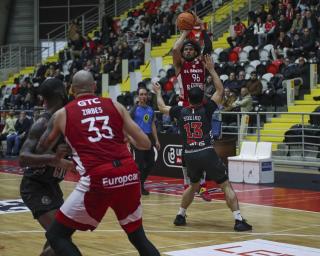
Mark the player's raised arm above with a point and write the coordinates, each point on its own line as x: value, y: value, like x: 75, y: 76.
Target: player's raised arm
x: 133, y: 132
x: 218, y: 95
x: 161, y: 105
x: 176, y: 51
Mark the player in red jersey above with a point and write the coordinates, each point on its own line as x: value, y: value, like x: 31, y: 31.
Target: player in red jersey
x: 95, y: 129
x: 190, y: 71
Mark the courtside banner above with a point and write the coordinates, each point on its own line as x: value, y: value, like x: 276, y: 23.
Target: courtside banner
x: 256, y: 247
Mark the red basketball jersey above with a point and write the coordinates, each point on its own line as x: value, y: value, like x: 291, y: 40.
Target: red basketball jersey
x: 94, y: 132
x: 192, y: 74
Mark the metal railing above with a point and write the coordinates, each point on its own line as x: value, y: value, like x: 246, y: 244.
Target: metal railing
x: 295, y: 142
x: 18, y: 56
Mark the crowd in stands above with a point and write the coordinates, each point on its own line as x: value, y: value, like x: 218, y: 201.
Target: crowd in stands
x: 290, y: 26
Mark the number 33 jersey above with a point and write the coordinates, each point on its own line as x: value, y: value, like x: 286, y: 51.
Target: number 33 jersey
x: 192, y: 74
x: 94, y: 130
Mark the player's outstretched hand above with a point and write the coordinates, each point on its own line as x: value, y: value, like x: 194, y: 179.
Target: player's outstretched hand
x: 208, y: 62
x: 156, y: 87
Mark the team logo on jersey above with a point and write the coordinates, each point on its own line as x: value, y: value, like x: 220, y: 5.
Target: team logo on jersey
x: 12, y: 206
x: 146, y: 118
x: 172, y: 155
x: 46, y: 200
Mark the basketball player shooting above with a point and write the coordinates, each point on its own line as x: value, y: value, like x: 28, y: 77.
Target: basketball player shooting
x: 190, y: 70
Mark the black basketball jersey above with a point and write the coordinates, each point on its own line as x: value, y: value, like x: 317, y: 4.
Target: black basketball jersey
x: 195, y: 125
x: 46, y: 173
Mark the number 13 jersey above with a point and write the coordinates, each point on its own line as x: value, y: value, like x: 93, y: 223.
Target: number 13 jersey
x: 94, y: 130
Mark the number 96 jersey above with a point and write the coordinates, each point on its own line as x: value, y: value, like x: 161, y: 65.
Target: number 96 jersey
x: 94, y: 132
x: 192, y: 74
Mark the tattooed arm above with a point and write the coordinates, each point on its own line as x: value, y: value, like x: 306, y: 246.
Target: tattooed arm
x: 31, y: 157
x: 54, y: 130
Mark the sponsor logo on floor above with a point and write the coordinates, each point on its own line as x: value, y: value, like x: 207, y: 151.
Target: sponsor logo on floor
x: 250, y: 248
x: 12, y: 206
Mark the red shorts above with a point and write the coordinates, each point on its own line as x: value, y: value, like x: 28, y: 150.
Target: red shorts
x: 106, y: 186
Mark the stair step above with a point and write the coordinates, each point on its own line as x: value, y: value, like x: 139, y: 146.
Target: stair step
x: 307, y: 102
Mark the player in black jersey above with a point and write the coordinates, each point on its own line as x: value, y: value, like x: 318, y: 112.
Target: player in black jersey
x: 195, y: 124
x: 39, y: 187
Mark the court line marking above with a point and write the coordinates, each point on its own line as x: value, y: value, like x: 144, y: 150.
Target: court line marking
x: 252, y: 204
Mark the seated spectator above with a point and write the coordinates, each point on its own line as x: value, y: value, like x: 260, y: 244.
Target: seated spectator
x: 232, y: 83
x: 239, y: 29
x: 308, y: 43
x: 270, y: 27
x: 282, y: 44
x: 297, y: 24
x: 283, y: 24
x: 289, y: 12
x: 254, y: 86
x: 296, y: 47
x: 244, y: 101
x: 260, y: 32
x: 228, y: 99
x: 248, y: 37
x: 138, y: 57
x: 109, y: 65
x: 116, y: 74
x: 8, y: 128
x: 261, y: 13
x: 241, y: 79
x: 16, y: 139
x: 310, y: 22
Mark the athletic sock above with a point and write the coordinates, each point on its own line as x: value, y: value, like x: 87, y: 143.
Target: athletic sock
x: 182, y: 211
x: 237, y: 215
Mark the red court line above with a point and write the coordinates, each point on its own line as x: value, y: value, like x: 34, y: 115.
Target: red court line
x: 255, y: 194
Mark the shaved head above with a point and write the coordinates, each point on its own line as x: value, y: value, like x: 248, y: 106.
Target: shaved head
x: 83, y: 82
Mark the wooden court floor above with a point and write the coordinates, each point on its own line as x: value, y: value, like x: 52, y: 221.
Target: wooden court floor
x: 277, y: 214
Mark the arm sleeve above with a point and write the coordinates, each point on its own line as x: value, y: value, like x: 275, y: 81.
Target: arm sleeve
x: 207, y: 43
x: 210, y: 107
x: 175, y: 112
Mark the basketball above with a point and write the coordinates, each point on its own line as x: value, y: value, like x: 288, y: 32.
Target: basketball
x: 185, y: 21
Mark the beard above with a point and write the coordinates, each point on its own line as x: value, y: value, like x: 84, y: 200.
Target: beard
x: 189, y: 58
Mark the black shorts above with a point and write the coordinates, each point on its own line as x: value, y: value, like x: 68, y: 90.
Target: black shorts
x: 40, y: 197
x: 207, y: 161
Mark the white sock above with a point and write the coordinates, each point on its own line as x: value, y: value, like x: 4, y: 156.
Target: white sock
x: 237, y: 215
x: 182, y: 211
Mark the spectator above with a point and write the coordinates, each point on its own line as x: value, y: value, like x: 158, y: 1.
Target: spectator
x: 241, y: 79
x: 309, y: 21
x: 138, y: 57
x: 261, y: 13
x: 253, y: 86
x: 259, y: 32
x: 308, y: 42
x: 116, y: 73
x: 232, y: 83
x: 16, y: 139
x: 270, y: 27
x: 239, y: 29
x: 297, y: 23
x: 8, y: 128
x: 282, y: 44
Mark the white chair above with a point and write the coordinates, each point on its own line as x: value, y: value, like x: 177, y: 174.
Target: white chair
x: 235, y: 163
x: 267, y: 76
x: 252, y: 66
x: 243, y: 56
x: 259, y: 169
x: 224, y: 77
x: 247, y: 48
x: 218, y: 51
x: 215, y: 57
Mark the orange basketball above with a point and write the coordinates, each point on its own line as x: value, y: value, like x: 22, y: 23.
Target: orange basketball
x: 185, y: 21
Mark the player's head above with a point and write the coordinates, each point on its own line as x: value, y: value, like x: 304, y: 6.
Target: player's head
x: 83, y: 82
x: 190, y: 50
x: 53, y: 91
x: 195, y: 95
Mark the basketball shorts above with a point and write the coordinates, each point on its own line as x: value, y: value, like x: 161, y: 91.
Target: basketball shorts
x: 40, y: 197
x: 111, y: 185
x: 207, y: 161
